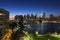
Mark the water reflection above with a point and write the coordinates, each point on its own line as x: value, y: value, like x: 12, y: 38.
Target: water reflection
x: 44, y: 28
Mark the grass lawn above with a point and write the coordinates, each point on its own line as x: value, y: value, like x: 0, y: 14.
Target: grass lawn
x: 55, y: 37
x: 31, y: 37
x: 43, y: 37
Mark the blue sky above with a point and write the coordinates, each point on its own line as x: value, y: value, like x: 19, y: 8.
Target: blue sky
x: 16, y: 7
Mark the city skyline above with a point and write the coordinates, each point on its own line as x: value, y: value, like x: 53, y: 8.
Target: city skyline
x: 18, y: 7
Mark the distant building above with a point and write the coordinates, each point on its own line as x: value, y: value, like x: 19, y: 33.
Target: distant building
x: 43, y: 16
x: 25, y: 17
x: 18, y: 18
x: 4, y: 18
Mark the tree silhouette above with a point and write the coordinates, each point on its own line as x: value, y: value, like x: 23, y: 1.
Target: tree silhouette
x: 19, y: 33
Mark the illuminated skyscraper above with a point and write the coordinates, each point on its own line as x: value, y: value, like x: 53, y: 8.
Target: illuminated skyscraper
x: 43, y: 16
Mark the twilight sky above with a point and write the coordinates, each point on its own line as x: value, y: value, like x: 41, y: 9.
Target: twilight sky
x: 31, y: 6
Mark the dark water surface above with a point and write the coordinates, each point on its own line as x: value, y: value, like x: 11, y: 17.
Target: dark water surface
x: 44, y: 28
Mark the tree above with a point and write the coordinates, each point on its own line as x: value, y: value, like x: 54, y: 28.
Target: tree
x: 19, y: 33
